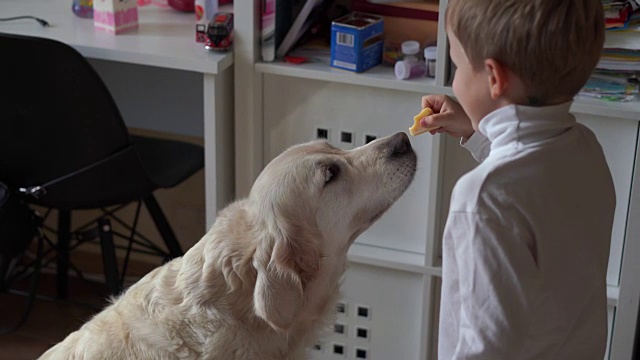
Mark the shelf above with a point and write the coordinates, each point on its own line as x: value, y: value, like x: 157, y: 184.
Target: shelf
x: 391, y: 259
x: 625, y: 110
x: 378, y: 77
x: 414, y: 262
x: 382, y: 77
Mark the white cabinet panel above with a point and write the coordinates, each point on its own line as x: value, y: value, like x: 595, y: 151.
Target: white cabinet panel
x: 381, y: 318
x: 435, y: 316
x: 295, y: 108
x: 611, y: 313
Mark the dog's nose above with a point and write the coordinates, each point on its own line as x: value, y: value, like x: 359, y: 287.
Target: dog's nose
x: 400, y: 143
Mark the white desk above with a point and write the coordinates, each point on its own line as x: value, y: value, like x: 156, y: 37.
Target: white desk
x: 165, y: 39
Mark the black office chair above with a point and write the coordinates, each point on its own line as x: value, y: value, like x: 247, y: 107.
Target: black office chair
x: 64, y: 144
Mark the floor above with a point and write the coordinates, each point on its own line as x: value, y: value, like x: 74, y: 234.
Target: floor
x: 51, y: 321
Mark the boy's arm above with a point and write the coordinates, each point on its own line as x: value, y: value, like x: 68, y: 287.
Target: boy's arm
x: 498, y: 286
x: 449, y: 117
x: 478, y: 145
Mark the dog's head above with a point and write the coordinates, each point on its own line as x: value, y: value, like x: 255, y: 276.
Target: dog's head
x: 311, y: 202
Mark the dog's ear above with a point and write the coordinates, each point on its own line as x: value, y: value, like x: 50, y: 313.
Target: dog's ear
x: 280, y: 285
x: 278, y: 295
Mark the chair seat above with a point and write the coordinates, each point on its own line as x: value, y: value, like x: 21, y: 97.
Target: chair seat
x: 168, y: 162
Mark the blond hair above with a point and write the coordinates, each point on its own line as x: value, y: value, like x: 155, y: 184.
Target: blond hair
x: 551, y: 45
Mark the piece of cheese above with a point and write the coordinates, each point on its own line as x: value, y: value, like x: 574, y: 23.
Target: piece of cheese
x: 416, y: 129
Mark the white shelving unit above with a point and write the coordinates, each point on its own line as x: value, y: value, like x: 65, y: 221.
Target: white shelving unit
x: 395, y: 266
x: 378, y: 77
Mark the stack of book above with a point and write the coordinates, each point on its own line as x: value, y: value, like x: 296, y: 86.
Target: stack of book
x: 612, y: 85
x: 616, y: 75
x: 621, y: 51
x: 616, y: 13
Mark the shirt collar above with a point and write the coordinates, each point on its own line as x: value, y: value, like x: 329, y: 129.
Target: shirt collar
x: 524, y: 125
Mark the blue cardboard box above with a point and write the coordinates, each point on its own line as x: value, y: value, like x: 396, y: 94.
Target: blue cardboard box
x: 356, y: 41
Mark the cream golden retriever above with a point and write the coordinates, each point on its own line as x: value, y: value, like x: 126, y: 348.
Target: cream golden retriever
x: 264, y: 281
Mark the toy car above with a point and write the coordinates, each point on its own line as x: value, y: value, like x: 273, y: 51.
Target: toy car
x: 220, y: 32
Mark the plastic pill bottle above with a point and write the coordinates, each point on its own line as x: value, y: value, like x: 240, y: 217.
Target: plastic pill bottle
x: 410, y: 66
x: 430, y: 56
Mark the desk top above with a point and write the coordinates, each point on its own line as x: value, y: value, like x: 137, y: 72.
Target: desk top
x: 165, y: 38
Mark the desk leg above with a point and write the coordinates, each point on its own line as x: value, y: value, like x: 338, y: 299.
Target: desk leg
x: 64, y: 239
x: 218, y: 142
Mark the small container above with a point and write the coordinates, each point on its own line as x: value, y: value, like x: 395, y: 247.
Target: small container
x: 409, y: 69
x: 430, y: 56
x: 410, y: 50
x: 410, y: 66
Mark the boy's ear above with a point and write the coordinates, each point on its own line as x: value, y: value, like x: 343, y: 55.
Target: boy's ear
x: 497, y: 77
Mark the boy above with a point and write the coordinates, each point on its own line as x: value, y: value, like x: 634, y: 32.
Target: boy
x: 526, y: 244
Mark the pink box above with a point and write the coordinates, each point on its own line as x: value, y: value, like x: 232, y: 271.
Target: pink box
x: 115, y: 16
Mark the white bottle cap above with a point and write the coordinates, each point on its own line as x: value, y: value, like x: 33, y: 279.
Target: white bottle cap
x: 431, y: 52
x: 410, y: 47
x: 402, y: 70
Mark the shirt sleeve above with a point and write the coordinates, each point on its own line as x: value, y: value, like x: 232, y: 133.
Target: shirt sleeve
x: 498, y: 285
x: 478, y: 145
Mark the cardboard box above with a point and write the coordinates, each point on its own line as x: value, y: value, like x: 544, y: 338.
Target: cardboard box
x: 115, y: 16
x: 356, y: 41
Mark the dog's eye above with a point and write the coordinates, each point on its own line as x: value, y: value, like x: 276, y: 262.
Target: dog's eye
x: 331, y: 172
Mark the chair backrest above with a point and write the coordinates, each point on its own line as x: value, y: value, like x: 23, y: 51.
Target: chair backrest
x: 56, y: 114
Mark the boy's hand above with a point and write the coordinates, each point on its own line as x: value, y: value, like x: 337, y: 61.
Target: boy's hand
x: 448, y: 116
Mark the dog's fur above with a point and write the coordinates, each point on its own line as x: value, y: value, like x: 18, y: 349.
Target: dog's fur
x: 264, y: 281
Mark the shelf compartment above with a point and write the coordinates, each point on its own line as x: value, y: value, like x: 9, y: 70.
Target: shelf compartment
x: 377, y: 77
x: 383, y: 77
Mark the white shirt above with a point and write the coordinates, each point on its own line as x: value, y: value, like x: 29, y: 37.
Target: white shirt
x: 526, y: 244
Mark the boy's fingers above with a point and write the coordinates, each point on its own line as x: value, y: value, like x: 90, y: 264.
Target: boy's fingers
x: 426, y: 121
x: 433, y: 120
x: 434, y: 102
x: 426, y: 102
